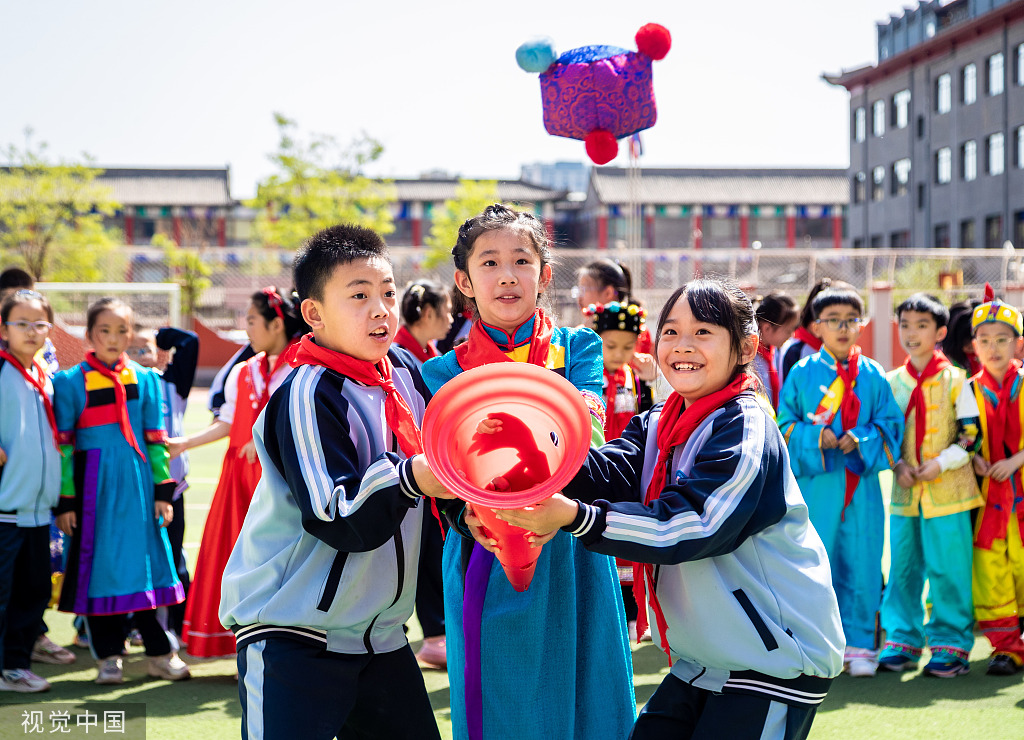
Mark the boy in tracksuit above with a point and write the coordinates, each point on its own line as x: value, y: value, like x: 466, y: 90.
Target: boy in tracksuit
x: 323, y: 575
x: 932, y: 498
x: 995, y: 399
x: 843, y: 428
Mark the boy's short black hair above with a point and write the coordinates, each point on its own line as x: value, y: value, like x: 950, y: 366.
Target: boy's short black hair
x: 837, y: 297
x: 924, y: 303
x: 15, y: 277
x: 325, y: 250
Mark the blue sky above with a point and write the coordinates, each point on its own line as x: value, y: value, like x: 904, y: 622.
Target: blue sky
x: 196, y: 83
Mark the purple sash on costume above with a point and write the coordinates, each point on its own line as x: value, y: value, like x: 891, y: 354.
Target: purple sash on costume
x: 477, y: 573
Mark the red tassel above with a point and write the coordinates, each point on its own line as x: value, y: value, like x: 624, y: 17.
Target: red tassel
x: 653, y: 40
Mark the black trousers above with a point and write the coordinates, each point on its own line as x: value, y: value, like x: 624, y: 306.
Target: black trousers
x: 291, y: 689
x: 680, y: 711
x: 176, y: 535
x: 429, y: 589
x: 107, y: 633
x: 24, y: 591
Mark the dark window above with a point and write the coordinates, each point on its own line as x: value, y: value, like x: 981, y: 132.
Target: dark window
x: 858, y: 243
x: 1018, y: 228
x: 993, y: 232
x: 860, y: 187
x: 967, y: 234
x: 877, y: 241
x: 920, y: 127
x: 899, y: 240
x: 922, y: 193
x: 942, y: 235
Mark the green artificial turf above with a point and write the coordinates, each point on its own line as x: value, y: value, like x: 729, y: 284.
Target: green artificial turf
x: 903, y: 706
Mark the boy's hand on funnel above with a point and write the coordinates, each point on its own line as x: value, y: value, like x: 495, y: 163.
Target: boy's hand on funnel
x: 544, y: 517
x: 426, y: 479
x: 479, y: 532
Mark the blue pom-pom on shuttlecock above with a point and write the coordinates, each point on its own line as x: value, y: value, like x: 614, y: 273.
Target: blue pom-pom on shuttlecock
x: 536, y: 55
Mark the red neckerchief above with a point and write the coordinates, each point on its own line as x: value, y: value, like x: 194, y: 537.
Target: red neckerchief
x: 973, y: 364
x: 266, y: 372
x: 120, y: 395
x: 767, y: 351
x: 936, y: 365
x: 479, y: 349
x: 849, y: 410
x: 804, y: 335
x: 40, y: 386
x: 406, y: 340
x: 675, y: 425
x: 613, y: 425
x: 397, y: 414
x: 1003, y: 423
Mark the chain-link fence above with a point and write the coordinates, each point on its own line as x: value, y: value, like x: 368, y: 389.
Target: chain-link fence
x: 950, y: 274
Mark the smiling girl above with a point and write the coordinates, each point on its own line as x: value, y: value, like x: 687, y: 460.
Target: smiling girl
x: 738, y: 583
x: 509, y: 653
x: 116, y: 496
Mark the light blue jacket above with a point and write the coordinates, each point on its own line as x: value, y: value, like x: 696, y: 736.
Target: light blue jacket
x: 30, y: 479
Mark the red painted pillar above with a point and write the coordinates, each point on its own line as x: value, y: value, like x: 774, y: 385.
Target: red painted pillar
x: 417, y: 224
x: 790, y: 227
x: 837, y: 227
x: 222, y: 230
x: 176, y: 226
x: 547, y: 213
x: 129, y: 228
x: 698, y: 227
x: 744, y: 227
x: 602, y: 228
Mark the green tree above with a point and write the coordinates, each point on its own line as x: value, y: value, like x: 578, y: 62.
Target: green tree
x: 186, y: 268
x: 471, y: 197
x: 51, y: 216
x: 318, y: 185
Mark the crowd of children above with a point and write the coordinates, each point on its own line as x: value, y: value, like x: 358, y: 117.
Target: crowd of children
x: 745, y: 509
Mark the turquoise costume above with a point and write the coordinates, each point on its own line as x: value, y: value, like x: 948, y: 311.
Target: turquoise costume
x: 853, y: 536
x: 120, y: 558
x: 553, y: 661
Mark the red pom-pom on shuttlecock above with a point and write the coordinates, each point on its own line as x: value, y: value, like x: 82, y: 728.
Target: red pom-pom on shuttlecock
x: 601, y: 146
x: 654, y: 40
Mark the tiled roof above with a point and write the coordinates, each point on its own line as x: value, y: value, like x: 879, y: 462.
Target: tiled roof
x: 169, y: 187
x: 438, y: 191
x: 724, y: 186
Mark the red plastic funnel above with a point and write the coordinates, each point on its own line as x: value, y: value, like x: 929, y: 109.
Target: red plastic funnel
x: 543, y: 441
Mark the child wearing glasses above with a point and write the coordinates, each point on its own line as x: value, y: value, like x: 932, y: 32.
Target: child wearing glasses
x: 843, y: 427
x: 995, y: 400
x: 29, y: 485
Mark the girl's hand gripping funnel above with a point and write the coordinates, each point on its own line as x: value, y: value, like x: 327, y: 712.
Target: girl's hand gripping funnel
x: 540, y: 441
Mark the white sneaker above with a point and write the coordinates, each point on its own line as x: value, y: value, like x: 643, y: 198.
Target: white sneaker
x: 631, y: 630
x: 862, y: 667
x: 23, y: 681
x: 168, y: 667
x: 111, y: 671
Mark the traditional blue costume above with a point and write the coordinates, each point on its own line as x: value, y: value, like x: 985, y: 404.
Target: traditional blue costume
x: 852, y: 526
x: 552, y: 661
